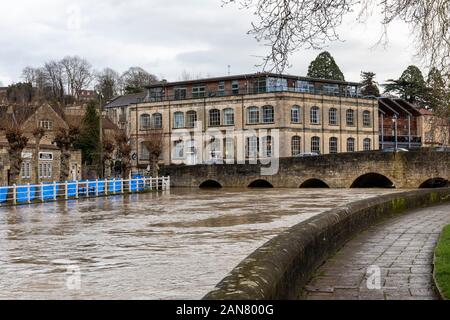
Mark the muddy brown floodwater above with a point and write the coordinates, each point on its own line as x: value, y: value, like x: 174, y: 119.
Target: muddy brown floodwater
x: 174, y: 245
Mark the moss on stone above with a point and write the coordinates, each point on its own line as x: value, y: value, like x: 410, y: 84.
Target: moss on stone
x: 398, y: 205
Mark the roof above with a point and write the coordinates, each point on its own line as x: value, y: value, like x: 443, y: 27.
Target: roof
x: 398, y: 107
x: 126, y: 100
x: 106, y: 122
x: 248, y: 76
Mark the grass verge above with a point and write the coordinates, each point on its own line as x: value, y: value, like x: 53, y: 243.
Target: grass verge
x: 442, y: 264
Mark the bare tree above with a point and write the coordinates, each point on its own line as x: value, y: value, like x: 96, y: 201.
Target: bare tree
x: 136, y: 78
x: 54, y: 73
x: 38, y: 134
x: 289, y: 25
x: 153, y: 142
x: 64, y: 140
x: 123, y: 152
x: 108, y: 83
x: 17, y: 141
x: 108, y: 151
x: 78, y: 73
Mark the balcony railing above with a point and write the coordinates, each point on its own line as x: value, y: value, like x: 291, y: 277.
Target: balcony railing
x: 251, y: 91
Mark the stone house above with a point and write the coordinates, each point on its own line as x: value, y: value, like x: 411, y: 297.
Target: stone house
x: 48, y: 157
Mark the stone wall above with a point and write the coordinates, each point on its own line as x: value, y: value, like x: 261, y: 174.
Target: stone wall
x: 282, y: 267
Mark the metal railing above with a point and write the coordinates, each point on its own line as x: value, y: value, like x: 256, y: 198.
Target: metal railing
x: 54, y: 191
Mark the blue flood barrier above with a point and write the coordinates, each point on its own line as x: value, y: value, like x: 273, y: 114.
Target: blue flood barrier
x: 83, y: 188
x: 3, y: 194
x: 115, y: 186
x: 25, y: 193
x: 137, y: 185
x: 49, y: 191
x: 71, y: 189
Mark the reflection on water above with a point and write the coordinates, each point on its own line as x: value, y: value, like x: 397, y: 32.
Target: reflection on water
x: 175, y: 245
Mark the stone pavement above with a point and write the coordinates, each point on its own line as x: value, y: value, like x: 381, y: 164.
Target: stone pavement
x: 401, y: 248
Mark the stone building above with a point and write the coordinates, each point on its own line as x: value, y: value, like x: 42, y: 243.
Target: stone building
x: 48, y: 158
x: 118, y: 108
x: 302, y: 115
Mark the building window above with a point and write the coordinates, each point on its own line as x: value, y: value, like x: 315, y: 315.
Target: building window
x: 235, y: 87
x: 214, y: 118
x: 221, y: 89
x: 315, y: 145
x: 46, y: 124
x: 267, y: 145
x: 295, y: 114
x: 268, y: 114
x: 252, y: 115
x: 366, y: 119
x: 45, y: 170
x: 228, y: 117
x: 178, y: 150
x: 296, y: 148
x: 333, y: 145
x: 198, y: 91
x: 145, y: 154
x: 333, y: 117
x: 350, y: 145
x: 305, y: 86
x: 180, y: 93
x: 157, y: 120
x: 215, y: 149
x: 229, y: 148
x: 26, y: 172
x: 315, y: 116
x: 367, y: 144
x: 145, y: 122
x: 178, y: 120
x: 331, y: 89
x: 252, y: 147
x: 350, y: 118
x: 191, y: 119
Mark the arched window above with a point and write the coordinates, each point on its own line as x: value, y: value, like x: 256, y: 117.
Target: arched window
x: 315, y: 115
x: 191, y: 119
x: 267, y: 146
x: 268, y: 114
x: 333, y: 145
x: 315, y: 145
x: 295, y: 114
x: 253, y: 115
x: 333, y: 117
x: 350, y: 117
x: 367, y: 119
x: 228, y: 117
x: 145, y: 121
x: 178, y: 120
x: 367, y: 144
x: 350, y: 145
x: 157, y: 120
x: 214, y: 118
x: 296, y: 146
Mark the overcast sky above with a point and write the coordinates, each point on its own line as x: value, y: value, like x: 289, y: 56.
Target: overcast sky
x: 168, y: 36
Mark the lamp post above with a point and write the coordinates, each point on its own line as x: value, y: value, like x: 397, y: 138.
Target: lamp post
x: 395, y: 122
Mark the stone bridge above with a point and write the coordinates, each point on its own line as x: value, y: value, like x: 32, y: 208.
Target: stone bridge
x: 404, y: 170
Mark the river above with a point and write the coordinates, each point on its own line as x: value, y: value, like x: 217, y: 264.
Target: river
x: 173, y: 245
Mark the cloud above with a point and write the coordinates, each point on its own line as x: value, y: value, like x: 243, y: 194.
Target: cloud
x: 167, y: 37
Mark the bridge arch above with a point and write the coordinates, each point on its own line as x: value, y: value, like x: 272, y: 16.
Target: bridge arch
x: 435, y: 183
x: 373, y: 180
x: 261, y: 184
x: 210, y: 184
x: 314, y: 184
